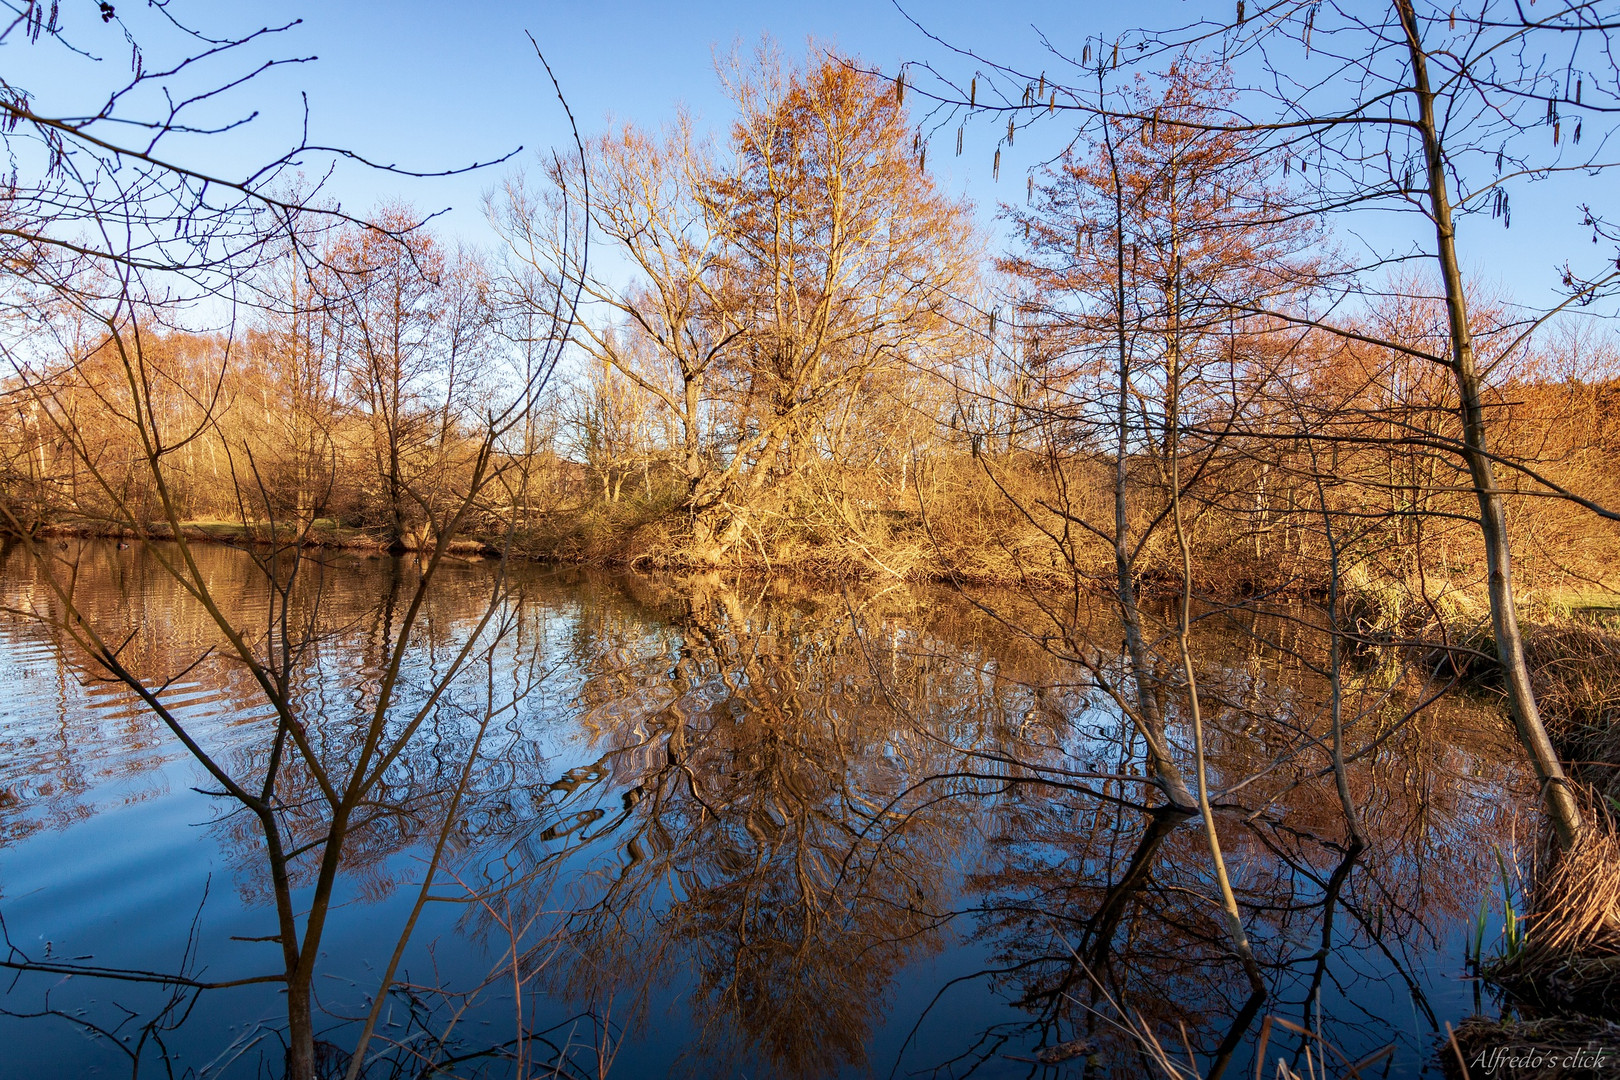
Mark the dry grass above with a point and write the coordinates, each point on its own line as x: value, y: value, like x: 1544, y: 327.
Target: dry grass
x: 1569, y: 964
x: 1572, y: 941
x: 1578, y: 900
x: 1570, y: 959
x: 1577, y: 674
x: 1547, y: 1049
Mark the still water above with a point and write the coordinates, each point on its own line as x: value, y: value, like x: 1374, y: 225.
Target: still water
x: 729, y: 828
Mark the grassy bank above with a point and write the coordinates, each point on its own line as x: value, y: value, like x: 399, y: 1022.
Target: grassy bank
x: 1562, y: 971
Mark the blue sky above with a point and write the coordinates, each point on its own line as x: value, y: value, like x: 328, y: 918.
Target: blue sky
x: 473, y: 80
x: 438, y: 85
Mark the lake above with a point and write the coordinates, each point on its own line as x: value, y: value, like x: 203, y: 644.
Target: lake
x: 728, y: 828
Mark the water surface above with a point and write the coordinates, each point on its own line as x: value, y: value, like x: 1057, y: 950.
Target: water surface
x: 732, y: 829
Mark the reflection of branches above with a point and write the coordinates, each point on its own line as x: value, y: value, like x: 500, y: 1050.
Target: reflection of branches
x: 183, y: 992
x: 785, y: 803
x: 782, y: 779
x: 319, y: 788
x: 747, y: 780
x: 1149, y: 895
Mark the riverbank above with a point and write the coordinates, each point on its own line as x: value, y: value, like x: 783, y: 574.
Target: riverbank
x: 1560, y: 964
x: 321, y: 534
x: 1370, y: 607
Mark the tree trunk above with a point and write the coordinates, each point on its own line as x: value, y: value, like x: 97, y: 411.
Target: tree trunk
x: 1151, y: 718
x: 690, y: 435
x: 1555, y: 789
x: 300, y: 1030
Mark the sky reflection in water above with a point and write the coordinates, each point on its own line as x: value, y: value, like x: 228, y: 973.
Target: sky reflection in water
x: 748, y: 829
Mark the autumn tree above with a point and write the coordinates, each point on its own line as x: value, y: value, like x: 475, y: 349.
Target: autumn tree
x: 1143, y: 367
x: 646, y: 206
x: 291, y: 364
x: 840, y: 250
x: 414, y: 333
x: 782, y: 286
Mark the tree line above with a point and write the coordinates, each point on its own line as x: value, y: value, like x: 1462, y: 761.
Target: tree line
x: 794, y: 351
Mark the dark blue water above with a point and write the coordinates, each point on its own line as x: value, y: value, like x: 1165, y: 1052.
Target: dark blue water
x: 729, y: 829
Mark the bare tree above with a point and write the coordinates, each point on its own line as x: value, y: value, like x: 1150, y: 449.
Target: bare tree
x: 1426, y: 111
x: 112, y: 245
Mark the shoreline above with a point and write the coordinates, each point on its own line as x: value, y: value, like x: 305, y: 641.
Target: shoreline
x: 1590, y: 607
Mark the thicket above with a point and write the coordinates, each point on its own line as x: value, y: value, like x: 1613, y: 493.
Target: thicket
x: 808, y: 368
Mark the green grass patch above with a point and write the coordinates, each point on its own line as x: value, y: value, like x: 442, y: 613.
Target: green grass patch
x: 1595, y: 605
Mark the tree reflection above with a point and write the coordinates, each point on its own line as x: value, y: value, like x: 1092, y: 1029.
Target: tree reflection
x: 747, y: 778
x: 769, y: 802
x: 804, y: 793
x: 342, y: 723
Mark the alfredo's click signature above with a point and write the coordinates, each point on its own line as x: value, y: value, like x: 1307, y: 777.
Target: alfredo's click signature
x: 1487, y: 1062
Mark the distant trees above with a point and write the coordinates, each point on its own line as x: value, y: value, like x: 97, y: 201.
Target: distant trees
x: 413, y: 328
x: 352, y: 390
x: 781, y: 290
x: 290, y: 360
x: 796, y: 353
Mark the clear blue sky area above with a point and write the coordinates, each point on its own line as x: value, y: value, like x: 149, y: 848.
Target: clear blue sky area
x: 438, y: 85
x: 392, y: 74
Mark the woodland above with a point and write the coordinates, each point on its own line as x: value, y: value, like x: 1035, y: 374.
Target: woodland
x: 1231, y: 350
